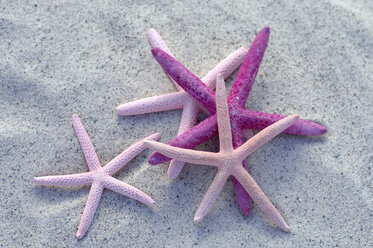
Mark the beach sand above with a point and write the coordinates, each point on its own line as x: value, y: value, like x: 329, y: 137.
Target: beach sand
x: 87, y: 57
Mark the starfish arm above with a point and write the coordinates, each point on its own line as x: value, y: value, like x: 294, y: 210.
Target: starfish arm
x: 247, y: 73
x: 264, y: 136
x: 188, y: 117
x: 89, y: 209
x: 226, y: 67
x: 260, y: 120
x: 205, y: 130
x: 243, y: 198
x: 188, y: 120
x: 187, y: 80
x: 127, y: 155
x: 185, y: 155
x: 153, y: 104
x: 259, y: 197
x: 224, y: 124
x: 128, y: 190
x: 211, y: 195
x: 156, y: 40
x: 65, y: 180
x: 86, y: 144
x: 175, y: 168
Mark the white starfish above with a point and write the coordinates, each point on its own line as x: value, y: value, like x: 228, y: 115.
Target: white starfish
x: 181, y: 99
x: 99, y: 177
x: 229, y: 161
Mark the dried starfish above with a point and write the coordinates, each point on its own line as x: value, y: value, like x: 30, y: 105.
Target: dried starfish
x: 240, y: 117
x: 180, y: 99
x: 229, y: 160
x: 99, y: 177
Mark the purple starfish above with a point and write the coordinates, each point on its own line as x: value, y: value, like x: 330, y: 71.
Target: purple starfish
x: 240, y: 117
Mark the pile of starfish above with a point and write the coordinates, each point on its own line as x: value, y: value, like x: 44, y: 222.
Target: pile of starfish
x: 227, y: 117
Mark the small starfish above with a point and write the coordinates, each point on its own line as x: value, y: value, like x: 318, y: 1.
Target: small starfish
x: 240, y: 117
x: 99, y: 177
x: 180, y: 99
x: 229, y: 160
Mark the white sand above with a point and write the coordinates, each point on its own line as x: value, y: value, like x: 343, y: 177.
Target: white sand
x: 86, y: 57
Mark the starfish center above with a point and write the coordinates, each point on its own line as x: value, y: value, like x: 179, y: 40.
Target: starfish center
x: 228, y: 160
x: 99, y: 175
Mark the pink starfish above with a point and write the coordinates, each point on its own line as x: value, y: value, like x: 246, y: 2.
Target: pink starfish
x: 180, y: 99
x: 99, y: 177
x: 239, y: 116
x: 229, y: 160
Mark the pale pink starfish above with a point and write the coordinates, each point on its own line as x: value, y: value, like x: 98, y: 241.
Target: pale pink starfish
x: 229, y: 160
x: 180, y: 99
x: 99, y: 177
x: 241, y: 118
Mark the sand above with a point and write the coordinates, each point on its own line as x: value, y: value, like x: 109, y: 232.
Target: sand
x: 87, y: 57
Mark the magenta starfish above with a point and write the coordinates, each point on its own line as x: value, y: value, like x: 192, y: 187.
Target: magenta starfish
x: 181, y: 99
x: 240, y: 117
x: 99, y: 177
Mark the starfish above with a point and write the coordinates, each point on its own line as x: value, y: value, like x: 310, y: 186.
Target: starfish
x: 240, y: 117
x: 180, y: 99
x: 99, y: 177
x: 229, y: 160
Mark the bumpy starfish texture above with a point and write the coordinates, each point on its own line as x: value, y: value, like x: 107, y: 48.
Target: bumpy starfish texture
x: 229, y: 160
x: 99, y: 177
x: 240, y: 117
x: 180, y: 99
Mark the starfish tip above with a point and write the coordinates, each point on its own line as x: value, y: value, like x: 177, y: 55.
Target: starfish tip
x: 296, y: 116
x: 267, y: 29
x: 79, y: 235
x: 264, y: 33
x: 151, y: 30
x: 323, y: 130
x: 152, y: 160
x: 119, y: 110
x: 316, y: 130
x: 172, y: 175
x: 151, y: 202
x: 75, y: 117
x: 283, y: 225
x: 155, y: 51
x: 156, y: 136
x: 286, y: 228
x: 198, y: 217
x: 246, y: 212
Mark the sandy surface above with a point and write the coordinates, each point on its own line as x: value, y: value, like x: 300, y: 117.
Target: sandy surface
x: 87, y: 57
